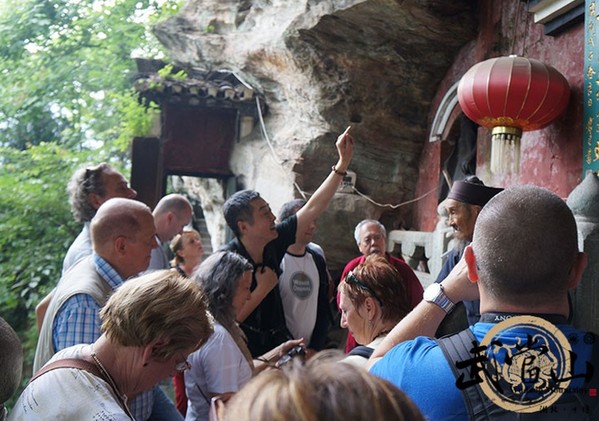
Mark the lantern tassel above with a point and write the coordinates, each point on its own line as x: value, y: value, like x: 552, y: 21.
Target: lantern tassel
x: 505, y: 149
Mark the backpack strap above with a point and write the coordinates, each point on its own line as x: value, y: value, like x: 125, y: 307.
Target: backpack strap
x: 362, y: 351
x: 457, y: 348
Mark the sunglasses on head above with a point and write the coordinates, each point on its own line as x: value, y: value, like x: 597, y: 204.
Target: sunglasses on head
x: 351, y: 278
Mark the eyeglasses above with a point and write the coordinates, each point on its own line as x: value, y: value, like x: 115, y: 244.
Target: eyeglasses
x: 183, y: 366
x: 353, y: 279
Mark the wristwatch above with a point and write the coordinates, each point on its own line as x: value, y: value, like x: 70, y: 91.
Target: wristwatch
x: 435, y: 294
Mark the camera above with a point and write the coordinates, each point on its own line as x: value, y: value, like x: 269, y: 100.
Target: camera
x: 295, y: 352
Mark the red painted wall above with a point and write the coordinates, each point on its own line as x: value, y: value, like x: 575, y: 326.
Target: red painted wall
x: 551, y: 157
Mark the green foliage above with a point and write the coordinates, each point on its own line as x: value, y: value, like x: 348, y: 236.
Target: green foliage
x: 63, y: 63
x: 36, y: 226
x: 138, y: 118
x: 167, y: 73
x: 66, y: 72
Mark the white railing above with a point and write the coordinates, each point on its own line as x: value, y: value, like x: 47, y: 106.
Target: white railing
x: 423, y: 250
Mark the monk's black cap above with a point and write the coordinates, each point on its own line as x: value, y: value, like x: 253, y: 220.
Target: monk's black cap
x: 471, y: 193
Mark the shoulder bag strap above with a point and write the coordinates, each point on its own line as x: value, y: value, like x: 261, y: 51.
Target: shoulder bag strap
x: 80, y: 364
x: 69, y: 363
x: 362, y: 351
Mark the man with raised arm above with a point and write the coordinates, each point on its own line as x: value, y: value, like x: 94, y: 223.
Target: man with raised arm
x: 264, y: 243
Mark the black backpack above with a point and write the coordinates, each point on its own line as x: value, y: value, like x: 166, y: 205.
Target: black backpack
x: 572, y: 406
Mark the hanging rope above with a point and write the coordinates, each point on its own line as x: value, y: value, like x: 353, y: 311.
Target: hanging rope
x: 272, y: 149
x: 304, y: 194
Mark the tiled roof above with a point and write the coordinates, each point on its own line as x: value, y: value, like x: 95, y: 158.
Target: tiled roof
x: 214, y: 89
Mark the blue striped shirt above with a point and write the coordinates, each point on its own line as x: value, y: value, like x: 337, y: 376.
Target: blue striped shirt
x: 78, y: 321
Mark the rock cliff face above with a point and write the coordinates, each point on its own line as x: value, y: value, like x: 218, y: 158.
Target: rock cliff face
x: 323, y: 65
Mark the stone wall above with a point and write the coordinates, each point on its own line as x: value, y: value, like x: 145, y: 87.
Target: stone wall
x: 323, y: 65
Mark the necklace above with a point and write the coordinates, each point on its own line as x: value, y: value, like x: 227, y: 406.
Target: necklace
x: 122, y: 397
x: 382, y: 333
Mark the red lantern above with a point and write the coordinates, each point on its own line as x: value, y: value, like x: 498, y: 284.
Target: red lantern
x: 510, y: 95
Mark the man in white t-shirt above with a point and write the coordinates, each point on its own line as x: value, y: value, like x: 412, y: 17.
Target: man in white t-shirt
x: 304, y: 284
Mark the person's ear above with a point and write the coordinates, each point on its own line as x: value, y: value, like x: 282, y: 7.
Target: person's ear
x: 370, y: 306
x: 170, y: 217
x: 120, y: 244
x: 471, y: 263
x: 575, y: 275
x: 147, y: 354
x: 95, y: 200
x: 151, y: 350
x: 242, y: 226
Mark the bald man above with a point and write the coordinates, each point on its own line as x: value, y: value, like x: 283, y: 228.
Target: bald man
x: 88, y: 188
x: 521, y: 268
x: 172, y: 213
x: 123, y: 236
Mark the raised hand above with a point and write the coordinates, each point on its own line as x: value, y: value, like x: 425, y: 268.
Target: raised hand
x: 345, y: 149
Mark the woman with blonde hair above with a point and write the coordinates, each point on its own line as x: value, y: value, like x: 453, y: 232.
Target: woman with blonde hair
x: 188, y: 251
x: 149, y: 327
x: 322, y: 389
x: 372, y: 301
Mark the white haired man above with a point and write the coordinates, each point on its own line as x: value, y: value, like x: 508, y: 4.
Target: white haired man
x: 371, y: 238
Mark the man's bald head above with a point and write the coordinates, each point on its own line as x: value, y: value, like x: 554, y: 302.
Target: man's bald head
x: 171, y: 214
x: 525, y: 244
x: 123, y: 234
x: 117, y: 217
